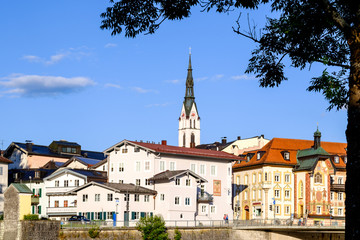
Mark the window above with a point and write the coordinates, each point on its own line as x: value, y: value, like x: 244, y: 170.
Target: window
x: 146, y: 198
x: 318, y: 178
x: 162, y: 165
x: 66, y: 203
x: 77, y: 182
x: 254, y: 178
x: 112, y: 167
x: 277, y: 209
x: 135, y: 215
x: 177, y: 181
x: 260, y: 177
x: 229, y: 171
x: 188, y: 182
x: 286, y: 155
x: 126, y: 197
x: 254, y: 194
x: 109, y: 215
x: 109, y: 197
x: 318, y: 209
x: 172, y: 166
x: 202, y: 169
x: 136, y: 197
x: 203, y: 209
x: 56, y: 183
x: 212, y: 209
x: 258, y: 156
x: 104, y: 168
x: 136, y: 149
x: 66, y: 183
x: 259, y: 194
x: 287, y: 178
x: 121, y: 181
x: 147, y: 182
x: 37, y: 173
x: 266, y: 177
x: 162, y: 197
x: 277, y: 193
x: 56, y: 204
x: 340, y: 196
x: 287, y: 209
x: 277, y: 177
x: 138, y: 166
x: 345, y: 159
x: 245, y: 195
x: 187, y: 201
x: 340, y: 211
x: 287, y: 193
x: 336, y: 159
x: 137, y: 182
x: 213, y: 170
x: 340, y: 180
x: 238, y: 180
x: 193, y: 167
x: 177, y: 200
x: 124, y: 150
x: 97, y: 197
x: 147, y: 166
x: 246, y: 179
x: 301, y: 189
x: 121, y: 167
x: 202, y: 190
x: 85, y: 197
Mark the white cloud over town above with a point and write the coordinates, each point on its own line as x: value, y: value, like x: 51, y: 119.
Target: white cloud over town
x: 110, y: 45
x: 243, y: 77
x: 143, y: 90
x: 42, y: 86
x: 112, y: 85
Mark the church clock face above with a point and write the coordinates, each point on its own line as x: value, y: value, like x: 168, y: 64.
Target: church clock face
x: 193, y: 114
x: 183, y: 115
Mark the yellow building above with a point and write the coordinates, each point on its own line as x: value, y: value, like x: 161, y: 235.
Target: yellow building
x: 17, y: 201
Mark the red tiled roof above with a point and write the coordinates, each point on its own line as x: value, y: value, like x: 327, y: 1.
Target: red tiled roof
x: 273, y: 152
x: 188, y: 151
x: 5, y: 160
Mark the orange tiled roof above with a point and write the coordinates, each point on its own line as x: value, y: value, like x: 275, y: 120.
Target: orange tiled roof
x: 188, y: 151
x: 5, y: 160
x: 273, y: 152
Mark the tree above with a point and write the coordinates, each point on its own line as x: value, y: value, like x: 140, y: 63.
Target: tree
x: 307, y: 31
x: 152, y: 227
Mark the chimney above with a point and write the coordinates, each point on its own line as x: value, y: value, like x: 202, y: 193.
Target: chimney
x: 163, y: 142
x: 29, y: 145
x: 238, y: 138
x: 262, y: 136
x: 223, y: 140
x: 86, y: 154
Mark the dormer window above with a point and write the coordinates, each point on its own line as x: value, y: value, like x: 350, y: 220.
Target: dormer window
x: 286, y: 155
x: 258, y: 155
x: 249, y: 156
x: 336, y: 159
x: 136, y: 149
x: 37, y: 174
x: 345, y: 159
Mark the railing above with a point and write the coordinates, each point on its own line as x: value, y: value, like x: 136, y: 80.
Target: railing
x: 204, y: 197
x: 51, y: 210
x: 337, y: 187
x: 277, y: 223
x: 34, y: 200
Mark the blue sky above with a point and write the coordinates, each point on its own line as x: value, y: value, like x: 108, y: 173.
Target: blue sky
x: 62, y: 77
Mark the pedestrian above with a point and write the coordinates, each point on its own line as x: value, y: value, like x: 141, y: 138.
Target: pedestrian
x: 227, y: 219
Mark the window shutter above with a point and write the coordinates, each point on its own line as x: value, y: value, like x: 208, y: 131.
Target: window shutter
x: 79, y: 214
x: 88, y: 215
x: 100, y: 216
x: 142, y: 214
x: 34, y: 191
x: 33, y: 209
x: 39, y: 210
x: 92, y: 215
x: 151, y: 214
x: 104, y: 215
x: 39, y: 192
x: 132, y: 215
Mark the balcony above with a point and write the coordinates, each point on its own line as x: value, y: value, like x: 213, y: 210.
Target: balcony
x: 337, y: 187
x: 61, y: 210
x: 204, y: 197
x: 34, y: 200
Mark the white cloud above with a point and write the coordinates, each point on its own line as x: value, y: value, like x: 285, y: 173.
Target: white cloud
x: 218, y: 76
x: 39, y: 86
x: 110, y: 45
x: 71, y: 53
x: 174, y: 81
x: 112, y: 85
x: 201, y: 79
x: 143, y: 90
x: 243, y: 77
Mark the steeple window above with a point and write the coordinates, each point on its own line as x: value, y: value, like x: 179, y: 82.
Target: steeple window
x: 184, y: 140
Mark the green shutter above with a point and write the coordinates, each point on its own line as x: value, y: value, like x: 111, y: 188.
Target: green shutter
x: 132, y: 215
x: 39, y: 192
x: 104, y: 215
x: 92, y: 216
x: 34, y: 191
x: 39, y: 210
x: 142, y: 214
x: 100, y: 217
x: 79, y: 214
x: 88, y: 215
x: 33, y: 209
x: 151, y: 214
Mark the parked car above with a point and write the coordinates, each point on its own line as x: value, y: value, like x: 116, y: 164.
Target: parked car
x: 78, y: 219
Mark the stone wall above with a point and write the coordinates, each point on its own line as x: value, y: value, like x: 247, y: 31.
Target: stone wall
x: 39, y: 230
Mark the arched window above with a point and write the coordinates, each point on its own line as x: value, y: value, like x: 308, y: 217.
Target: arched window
x: 318, y: 178
x: 184, y: 140
x: 190, y: 123
x: 301, y: 189
x: 192, y: 138
x: 194, y: 123
x: 266, y: 176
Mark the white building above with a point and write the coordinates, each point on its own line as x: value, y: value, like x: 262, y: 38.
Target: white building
x: 139, y: 162
x: 4, y: 162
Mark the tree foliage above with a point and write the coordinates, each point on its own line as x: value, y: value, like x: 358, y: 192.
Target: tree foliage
x: 152, y: 228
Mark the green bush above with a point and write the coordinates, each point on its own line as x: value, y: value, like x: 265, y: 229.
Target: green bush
x: 152, y: 228
x: 31, y: 217
x: 94, y: 232
x: 177, y: 234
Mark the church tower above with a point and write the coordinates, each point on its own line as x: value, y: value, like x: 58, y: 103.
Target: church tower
x: 189, y: 120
